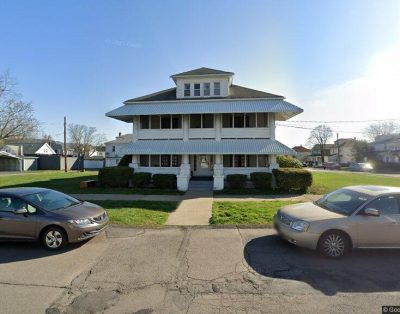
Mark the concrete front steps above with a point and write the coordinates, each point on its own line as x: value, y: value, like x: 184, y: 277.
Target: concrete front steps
x: 195, y: 185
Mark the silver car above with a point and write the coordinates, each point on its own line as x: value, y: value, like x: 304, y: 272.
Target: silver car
x: 51, y: 217
x: 351, y: 217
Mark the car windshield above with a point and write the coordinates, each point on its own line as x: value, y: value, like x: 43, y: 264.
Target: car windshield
x: 51, y: 200
x: 343, y: 201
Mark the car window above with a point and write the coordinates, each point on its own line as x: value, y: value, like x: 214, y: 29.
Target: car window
x: 9, y: 204
x: 387, y: 205
x: 343, y: 201
x: 51, y: 200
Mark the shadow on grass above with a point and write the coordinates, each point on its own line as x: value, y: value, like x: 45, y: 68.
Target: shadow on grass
x: 361, y: 271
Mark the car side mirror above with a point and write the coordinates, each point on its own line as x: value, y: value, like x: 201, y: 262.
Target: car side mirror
x: 20, y: 211
x: 371, y: 212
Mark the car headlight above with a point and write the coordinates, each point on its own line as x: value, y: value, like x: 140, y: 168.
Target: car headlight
x: 80, y: 221
x: 300, y: 225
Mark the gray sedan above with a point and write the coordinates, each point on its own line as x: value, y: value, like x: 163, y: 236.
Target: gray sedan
x: 51, y: 217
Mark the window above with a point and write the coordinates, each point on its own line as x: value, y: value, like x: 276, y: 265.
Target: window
x: 50, y: 200
x: 252, y: 161
x: 227, y: 120
x: 155, y: 122
x: 262, y: 119
x: 186, y: 91
x: 165, y: 160
x: 250, y: 120
x: 228, y: 161
x: 176, y: 160
x: 240, y: 161
x: 206, y: 90
x: 197, y: 89
x: 144, y: 122
x: 113, y: 148
x: 166, y: 121
x: 208, y: 120
x: 343, y: 201
x: 9, y: 204
x: 387, y: 205
x: 144, y: 160
x: 217, y: 88
x: 176, y: 121
x: 239, y: 120
x: 263, y: 161
x: 155, y: 160
x: 195, y: 121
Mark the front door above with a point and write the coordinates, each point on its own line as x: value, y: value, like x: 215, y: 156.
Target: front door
x: 202, y: 166
x: 17, y: 226
x: 383, y: 230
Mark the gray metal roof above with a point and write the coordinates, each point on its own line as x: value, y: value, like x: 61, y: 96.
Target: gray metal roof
x: 284, y: 109
x: 223, y: 147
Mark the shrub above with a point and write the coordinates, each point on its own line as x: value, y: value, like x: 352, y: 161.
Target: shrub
x: 115, y: 176
x: 236, y: 181
x: 141, y: 179
x: 125, y: 161
x: 261, y: 180
x: 288, y: 162
x: 292, y: 179
x: 165, y: 181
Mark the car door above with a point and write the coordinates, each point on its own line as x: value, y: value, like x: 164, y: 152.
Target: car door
x: 16, y: 226
x: 382, y: 230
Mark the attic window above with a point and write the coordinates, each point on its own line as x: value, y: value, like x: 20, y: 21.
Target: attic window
x: 217, y: 88
x: 186, y: 91
x: 197, y: 89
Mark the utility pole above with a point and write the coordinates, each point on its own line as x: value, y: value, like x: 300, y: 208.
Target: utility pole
x: 337, y: 144
x: 65, y: 145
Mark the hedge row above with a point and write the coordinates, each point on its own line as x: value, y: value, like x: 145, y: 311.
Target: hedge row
x: 292, y: 179
x: 125, y: 177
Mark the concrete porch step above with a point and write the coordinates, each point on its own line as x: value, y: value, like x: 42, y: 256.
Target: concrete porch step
x: 200, y: 186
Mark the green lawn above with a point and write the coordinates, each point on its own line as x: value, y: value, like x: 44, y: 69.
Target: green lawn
x: 138, y: 213
x: 69, y: 183
x: 324, y: 182
x: 236, y: 213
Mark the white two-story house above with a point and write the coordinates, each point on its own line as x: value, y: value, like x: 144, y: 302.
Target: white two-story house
x: 206, y: 127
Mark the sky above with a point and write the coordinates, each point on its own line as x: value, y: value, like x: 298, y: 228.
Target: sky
x: 338, y: 60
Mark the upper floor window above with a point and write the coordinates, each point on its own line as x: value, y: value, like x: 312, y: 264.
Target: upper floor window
x: 196, y: 89
x: 205, y: 121
x: 206, y: 90
x: 217, y: 88
x: 186, y: 91
x: 165, y: 121
x: 245, y: 120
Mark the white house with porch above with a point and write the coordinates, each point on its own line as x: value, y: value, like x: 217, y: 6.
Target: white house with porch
x: 204, y: 127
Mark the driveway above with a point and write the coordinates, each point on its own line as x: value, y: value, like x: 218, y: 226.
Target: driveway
x: 194, y: 270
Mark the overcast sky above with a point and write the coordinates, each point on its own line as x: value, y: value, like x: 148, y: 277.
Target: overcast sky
x: 338, y: 60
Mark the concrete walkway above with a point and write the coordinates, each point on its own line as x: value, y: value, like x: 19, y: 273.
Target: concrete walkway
x: 195, y: 209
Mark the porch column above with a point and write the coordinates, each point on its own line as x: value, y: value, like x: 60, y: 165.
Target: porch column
x: 185, y: 124
x: 182, y: 179
x: 218, y: 173
x: 135, y: 162
x: 272, y: 162
x: 135, y: 128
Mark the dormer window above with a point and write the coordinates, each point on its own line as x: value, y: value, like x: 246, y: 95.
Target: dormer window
x: 217, y: 88
x: 206, y: 89
x: 196, y: 89
x: 187, y: 90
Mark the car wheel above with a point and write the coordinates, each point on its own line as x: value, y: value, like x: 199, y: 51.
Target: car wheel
x: 54, y: 238
x: 333, y: 244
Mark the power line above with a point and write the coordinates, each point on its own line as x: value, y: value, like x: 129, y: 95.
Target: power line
x: 342, y: 121
x: 306, y: 128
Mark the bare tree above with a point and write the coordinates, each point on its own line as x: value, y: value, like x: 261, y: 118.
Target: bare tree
x: 17, y: 117
x: 84, y: 139
x: 319, y: 136
x: 381, y: 128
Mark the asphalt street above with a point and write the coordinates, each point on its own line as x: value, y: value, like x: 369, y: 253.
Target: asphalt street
x: 194, y: 270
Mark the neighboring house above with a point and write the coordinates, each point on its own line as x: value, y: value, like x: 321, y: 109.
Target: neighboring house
x: 315, y: 156
x: 99, y: 151
x: 302, y: 152
x: 112, y: 148
x: 386, y: 148
x: 346, y: 150
x: 204, y: 127
x: 11, y: 159
x: 58, y: 147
